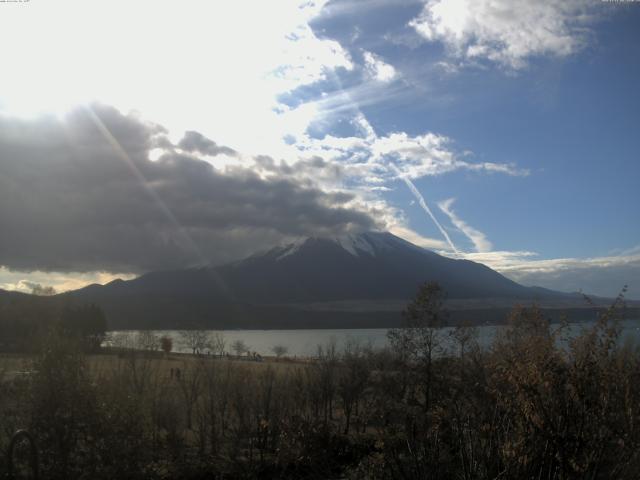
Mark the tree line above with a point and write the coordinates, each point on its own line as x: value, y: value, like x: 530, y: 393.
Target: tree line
x: 537, y: 403
x: 25, y: 319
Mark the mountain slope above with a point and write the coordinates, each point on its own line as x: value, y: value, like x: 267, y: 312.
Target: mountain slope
x: 367, y: 266
x: 289, y: 285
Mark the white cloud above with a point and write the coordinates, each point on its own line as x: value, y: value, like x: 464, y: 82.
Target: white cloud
x: 377, y: 68
x: 479, y: 239
x: 603, y: 276
x: 368, y: 157
x: 507, y: 32
x: 431, y: 154
x: 522, y: 263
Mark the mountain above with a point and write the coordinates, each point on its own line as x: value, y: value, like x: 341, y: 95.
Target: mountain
x: 351, y: 280
x: 371, y: 265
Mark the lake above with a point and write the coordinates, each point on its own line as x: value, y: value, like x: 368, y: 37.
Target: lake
x: 304, y: 343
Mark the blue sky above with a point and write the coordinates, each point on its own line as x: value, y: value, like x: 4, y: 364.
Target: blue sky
x: 571, y: 121
x: 514, y: 123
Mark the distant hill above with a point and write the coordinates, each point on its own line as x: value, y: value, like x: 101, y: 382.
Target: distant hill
x: 350, y: 281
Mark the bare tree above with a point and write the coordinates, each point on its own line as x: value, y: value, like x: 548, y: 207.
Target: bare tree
x: 139, y: 368
x: 147, y: 340
x: 190, y: 382
x: 326, y: 372
x: 239, y: 347
x: 465, y: 336
x: 279, y: 350
x: 217, y: 343
x: 353, y: 378
x: 196, y: 340
x: 420, y: 340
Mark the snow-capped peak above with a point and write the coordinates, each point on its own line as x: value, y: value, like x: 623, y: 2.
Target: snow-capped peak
x: 291, y: 248
x: 355, y: 244
x: 368, y: 243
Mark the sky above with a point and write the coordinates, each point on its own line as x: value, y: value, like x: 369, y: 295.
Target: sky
x: 140, y: 136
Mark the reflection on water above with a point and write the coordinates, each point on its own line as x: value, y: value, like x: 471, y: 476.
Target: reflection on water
x: 305, y: 342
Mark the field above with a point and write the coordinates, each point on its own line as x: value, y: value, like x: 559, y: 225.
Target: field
x: 100, y: 364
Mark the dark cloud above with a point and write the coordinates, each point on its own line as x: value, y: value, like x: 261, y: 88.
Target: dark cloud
x: 72, y: 200
x: 198, y: 143
x: 309, y: 171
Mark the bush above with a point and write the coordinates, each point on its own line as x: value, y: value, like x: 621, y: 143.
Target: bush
x: 534, y: 405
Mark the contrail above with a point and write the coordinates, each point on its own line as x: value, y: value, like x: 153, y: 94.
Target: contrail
x: 423, y: 204
x: 372, y: 134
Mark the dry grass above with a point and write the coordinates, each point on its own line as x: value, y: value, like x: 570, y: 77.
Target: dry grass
x: 12, y: 365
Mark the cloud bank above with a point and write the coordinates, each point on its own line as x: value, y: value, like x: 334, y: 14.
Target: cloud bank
x: 81, y: 194
x: 605, y: 276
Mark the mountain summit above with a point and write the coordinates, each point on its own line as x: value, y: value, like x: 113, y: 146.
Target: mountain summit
x: 371, y: 265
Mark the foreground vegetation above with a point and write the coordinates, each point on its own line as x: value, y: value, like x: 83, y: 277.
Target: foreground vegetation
x: 533, y: 405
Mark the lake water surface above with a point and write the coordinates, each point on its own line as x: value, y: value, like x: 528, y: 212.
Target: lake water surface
x: 305, y: 342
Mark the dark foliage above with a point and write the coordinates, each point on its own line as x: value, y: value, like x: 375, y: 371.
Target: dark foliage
x: 536, y: 404
x: 24, y: 318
